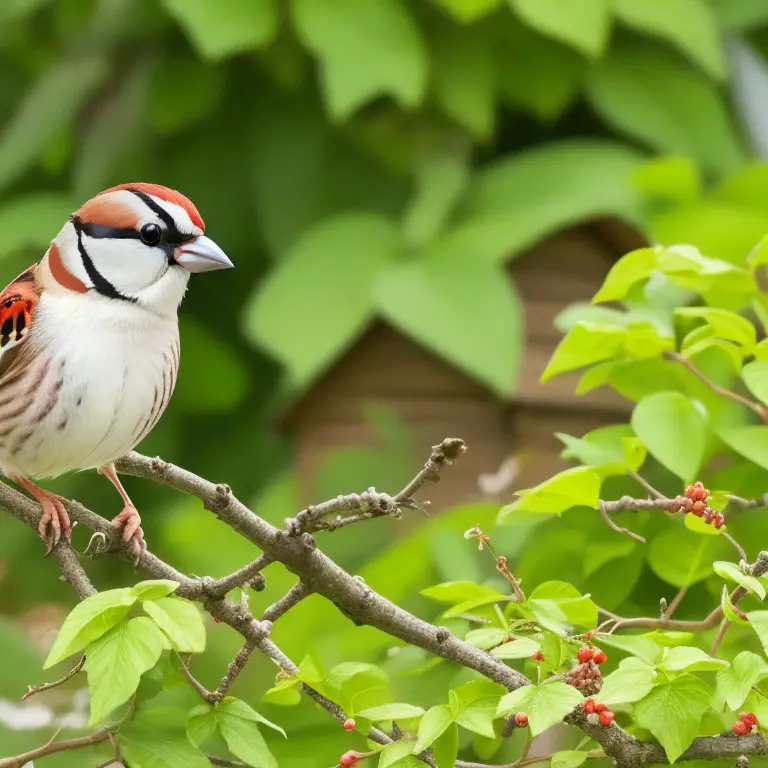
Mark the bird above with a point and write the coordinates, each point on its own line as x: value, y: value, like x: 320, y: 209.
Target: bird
x: 89, y: 343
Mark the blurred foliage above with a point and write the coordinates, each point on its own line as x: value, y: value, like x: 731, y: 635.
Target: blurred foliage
x: 360, y: 160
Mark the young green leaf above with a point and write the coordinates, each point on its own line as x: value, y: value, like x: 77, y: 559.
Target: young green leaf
x: 395, y: 752
x: 641, y: 647
x: 154, y: 589
x: 750, y: 442
x: 458, y: 592
x: 733, y: 685
x: 391, y: 712
x: 673, y: 430
x: 568, y: 758
x: 485, y: 638
x: 238, y: 724
x: 146, y: 747
x: 629, y: 270
x: 578, y: 486
x: 521, y: 648
x: 89, y: 620
x: 585, y: 344
x: 116, y: 661
x: 732, y: 572
x: 433, y: 724
x: 478, y: 700
x: 682, y: 557
x: 755, y: 376
x: 545, y: 704
x: 724, y: 324
x: 446, y: 747
x: 758, y: 620
x: 730, y: 611
x: 690, y: 659
x: 672, y: 712
x: 231, y: 707
x: 632, y: 681
x: 180, y: 620
x: 201, y: 723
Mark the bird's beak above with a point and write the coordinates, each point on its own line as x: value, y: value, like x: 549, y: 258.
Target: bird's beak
x: 201, y: 255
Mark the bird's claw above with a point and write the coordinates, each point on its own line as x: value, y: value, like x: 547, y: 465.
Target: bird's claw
x: 54, y: 523
x: 132, y: 534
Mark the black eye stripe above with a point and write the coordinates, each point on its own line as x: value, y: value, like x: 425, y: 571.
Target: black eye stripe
x: 173, y: 235
x: 100, y: 231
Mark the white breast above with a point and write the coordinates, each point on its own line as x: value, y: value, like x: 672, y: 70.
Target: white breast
x: 106, y: 372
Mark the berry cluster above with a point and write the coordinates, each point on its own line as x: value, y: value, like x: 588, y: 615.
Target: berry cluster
x: 695, y: 502
x: 597, y: 713
x: 747, y: 723
x: 586, y: 675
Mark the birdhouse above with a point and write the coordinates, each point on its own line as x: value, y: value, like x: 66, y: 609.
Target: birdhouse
x: 510, y: 442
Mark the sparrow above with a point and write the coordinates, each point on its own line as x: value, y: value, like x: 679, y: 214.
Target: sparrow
x: 89, y: 343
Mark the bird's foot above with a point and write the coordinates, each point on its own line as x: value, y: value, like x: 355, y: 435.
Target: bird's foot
x: 55, y: 521
x: 132, y: 535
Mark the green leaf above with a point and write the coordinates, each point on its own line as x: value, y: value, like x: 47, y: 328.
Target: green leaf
x: 521, y: 648
x: 582, y: 24
x: 733, y: 572
x: 632, y: 681
x: 634, y: 267
x: 515, y: 202
x: 758, y: 620
x: 238, y: 724
x: 116, y: 661
x: 46, y: 112
x: 485, y: 638
x: 349, y: 680
x: 218, y: 31
x: 181, y: 621
x: 612, y: 445
x: 690, y: 659
x: 755, y: 376
x: 145, y: 747
x: 467, y: 11
x: 750, y: 442
x: 545, y: 704
x: 89, y: 620
x: 688, y: 24
x: 672, y: 712
x: 366, y: 50
x: 681, y: 557
x: 465, y: 79
x: 639, y: 77
x: 734, y: 684
x: 357, y: 245
x: 669, y: 178
x: 730, y: 611
x: 433, y: 724
x: 561, y: 615
x: 391, y: 712
x: 743, y: 16
x: 585, y: 344
x: 445, y: 303
x: 641, y: 647
x: 396, y: 751
x: 674, y: 432
x: 153, y: 589
x: 459, y: 592
x: 27, y: 221
x: 568, y: 758
x: 478, y: 700
x: 725, y: 325
x: 201, y: 724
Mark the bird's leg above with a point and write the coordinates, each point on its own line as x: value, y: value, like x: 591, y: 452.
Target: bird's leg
x: 128, y: 519
x: 54, y: 515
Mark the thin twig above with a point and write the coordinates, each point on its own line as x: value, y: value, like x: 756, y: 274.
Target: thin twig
x: 735, y: 544
x: 33, y: 689
x: 720, y: 635
x: 613, y: 526
x: 758, y: 408
x: 55, y: 746
x: 235, y: 667
x: 209, y: 696
x: 676, y: 600
x: 291, y: 598
x: 220, y: 587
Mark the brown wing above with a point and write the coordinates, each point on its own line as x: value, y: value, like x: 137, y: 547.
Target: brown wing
x: 17, y: 304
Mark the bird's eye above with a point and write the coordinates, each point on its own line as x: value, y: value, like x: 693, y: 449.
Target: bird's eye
x: 151, y: 234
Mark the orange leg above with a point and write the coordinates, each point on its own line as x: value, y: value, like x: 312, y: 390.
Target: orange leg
x: 54, y: 515
x: 128, y: 519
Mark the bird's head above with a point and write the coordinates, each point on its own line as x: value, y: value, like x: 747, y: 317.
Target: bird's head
x: 136, y: 243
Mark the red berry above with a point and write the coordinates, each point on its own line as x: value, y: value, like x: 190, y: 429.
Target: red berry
x: 719, y: 521
x: 600, y: 657
x: 349, y: 724
x: 606, y: 717
x: 740, y: 728
x: 538, y: 656
x: 600, y: 707
x: 589, y: 706
x: 348, y: 759
x: 585, y: 653
x: 521, y: 720
x: 699, y: 508
x: 508, y: 639
x: 589, y: 635
x: 749, y: 718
